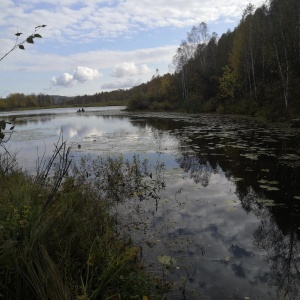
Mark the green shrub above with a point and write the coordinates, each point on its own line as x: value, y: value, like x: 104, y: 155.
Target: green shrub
x: 161, y: 106
x: 71, y: 248
x: 220, y: 109
x: 210, y: 106
x: 138, y: 103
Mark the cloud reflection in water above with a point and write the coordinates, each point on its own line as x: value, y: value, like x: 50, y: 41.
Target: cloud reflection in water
x: 207, y: 219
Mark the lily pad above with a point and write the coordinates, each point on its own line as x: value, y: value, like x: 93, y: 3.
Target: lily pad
x: 266, y: 202
x: 269, y: 188
x: 272, y: 188
x: 263, y: 181
x: 231, y: 208
x: 166, y: 260
x: 231, y: 201
x: 291, y: 157
x: 236, y: 179
x: 296, y: 197
x: 232, y: 205
x: 250, y: 156
x: 273, y: 182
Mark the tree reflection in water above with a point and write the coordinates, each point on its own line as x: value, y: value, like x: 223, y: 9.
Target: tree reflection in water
x: 198, y: 167
x: 281, y: 249
x: 276, y: 235
x: 280, y: 246
x: 253, y: 160
x: 252, y: 167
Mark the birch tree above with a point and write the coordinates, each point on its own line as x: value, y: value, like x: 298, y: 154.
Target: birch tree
x: 280, y: 48
x: 181, y: 62
x: 198, y: 38
x: 248, y: 19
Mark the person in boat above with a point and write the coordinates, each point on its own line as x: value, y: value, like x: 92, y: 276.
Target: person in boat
x: 82, y: 110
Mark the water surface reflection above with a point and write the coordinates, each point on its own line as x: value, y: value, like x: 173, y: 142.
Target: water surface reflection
x: 229, y: 214
x: 252, y: 231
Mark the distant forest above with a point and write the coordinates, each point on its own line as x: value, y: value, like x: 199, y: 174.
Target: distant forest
x: 254, y: 70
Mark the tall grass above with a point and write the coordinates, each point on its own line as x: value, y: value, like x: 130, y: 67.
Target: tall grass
x: 58, y: 239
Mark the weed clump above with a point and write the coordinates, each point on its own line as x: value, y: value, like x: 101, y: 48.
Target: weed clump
x: 58, y: 237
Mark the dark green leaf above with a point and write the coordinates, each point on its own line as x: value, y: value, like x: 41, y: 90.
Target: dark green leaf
x: 40, y: 26
x: 22, y: 47
x: 12, y: 127
x: 2, y: 125
x: 18, y: 33
x: 2, y: 135
x: 30, y: 40
x: 37, y: 35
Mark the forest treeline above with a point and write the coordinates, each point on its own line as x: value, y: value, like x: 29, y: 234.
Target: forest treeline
x: 20, y: 100
x: 254, y: 69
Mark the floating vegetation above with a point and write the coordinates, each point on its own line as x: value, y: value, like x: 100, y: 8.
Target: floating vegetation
x: 231, y: 205
x: 238, y: 147
x: 292, y: 157
x: 237, y: 179
x: 269, y: 188
x: 167, y: 261
x: 231, y: 208
x: 250, y: 156
x: 263, y: 181
x: 33, y: 134
x: 271, y: 141
x: 231, y: 201
x: 198, y: 151
x: 219, y: 146
x: 266, y: 202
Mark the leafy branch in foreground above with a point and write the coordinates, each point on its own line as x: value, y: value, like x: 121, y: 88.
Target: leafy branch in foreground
x: 3, y: 127
x: 29, y: 40
x: 4, y: 140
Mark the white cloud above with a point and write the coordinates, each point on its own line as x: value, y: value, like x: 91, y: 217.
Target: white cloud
x: 108, y: 59
x: 81, y: 74
x: 103, y: 33
x: 76, y: 21
x: 65, y: 79
x: 129, y: 69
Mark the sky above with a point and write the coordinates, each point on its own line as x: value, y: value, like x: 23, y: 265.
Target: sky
x: 90, y: 46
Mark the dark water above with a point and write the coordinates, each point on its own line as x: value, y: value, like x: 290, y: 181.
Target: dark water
x: 227, y: 226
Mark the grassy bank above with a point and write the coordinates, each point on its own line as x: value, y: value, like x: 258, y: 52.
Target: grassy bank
x: 58, y: 236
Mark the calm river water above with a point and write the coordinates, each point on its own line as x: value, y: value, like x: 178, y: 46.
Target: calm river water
x: 227, y: 226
